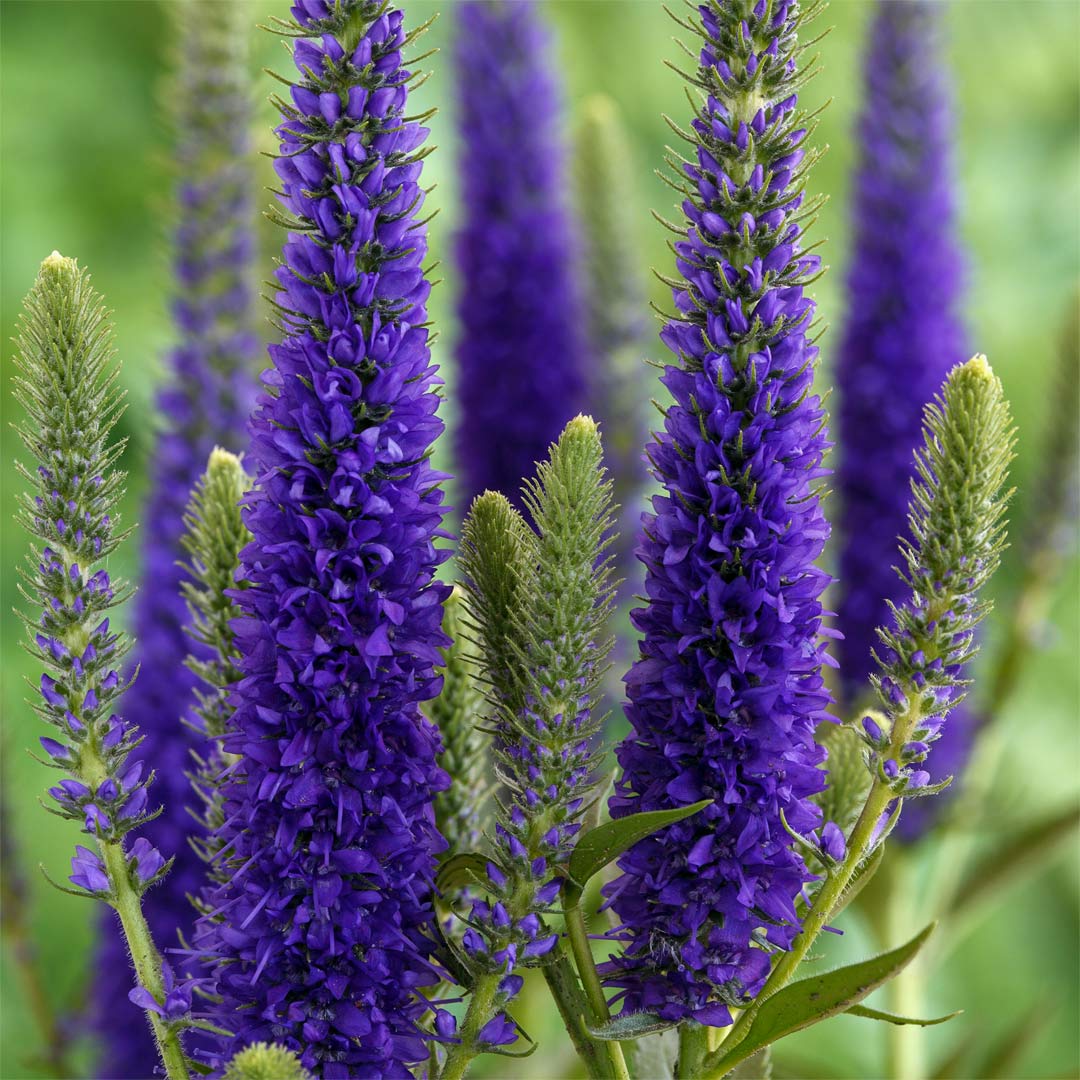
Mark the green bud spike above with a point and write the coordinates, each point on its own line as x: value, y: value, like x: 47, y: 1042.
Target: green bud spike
x: 496, y: 548
x: 957, y: 527
x: 459, y: 810
x: 263, y: 1061
x: 215, y: 534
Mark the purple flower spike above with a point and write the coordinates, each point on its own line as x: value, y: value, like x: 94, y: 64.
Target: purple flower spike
x: 520, y: 351
x: 324, y: 923
x: 727, y: 691
x: 205, y: 403
x: 903, y: 334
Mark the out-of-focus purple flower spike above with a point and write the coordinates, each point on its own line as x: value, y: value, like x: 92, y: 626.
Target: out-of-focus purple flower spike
x: 903, y: 334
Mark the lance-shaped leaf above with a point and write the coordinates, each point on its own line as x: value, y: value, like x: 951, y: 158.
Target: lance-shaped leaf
x: 809, y: 1001
x: 891, y: 1018
x: 607, y: 842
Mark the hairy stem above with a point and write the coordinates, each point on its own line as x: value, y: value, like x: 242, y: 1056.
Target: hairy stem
x: 590, y: 980
x: 693, y: 1047
x: 128, y: 905
x: 859, y: 846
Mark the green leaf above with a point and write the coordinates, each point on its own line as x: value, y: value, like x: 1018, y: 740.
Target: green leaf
x: 631, y: 1026
x: 607, y: 842
x: 809, y: 1001
x: 1018, y: 856
x: 465, y: 868
x: 892, y: 1018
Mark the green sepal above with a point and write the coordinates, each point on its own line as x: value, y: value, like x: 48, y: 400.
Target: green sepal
x: 602, y: 845
x: 631, y: 1026
x: 801, y: 1004
x: 891, y: 1018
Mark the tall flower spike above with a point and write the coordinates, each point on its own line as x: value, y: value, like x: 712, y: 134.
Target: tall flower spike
x: 460, y: 809
x: 903, y: 334
x: 957, y: 528
x: 204, y: 402
x: 728, y: 689
x: 321, y: 935
x: 616, y: 298
x: 538, y: 601
x: 67, y: 387
x: 520, y: 350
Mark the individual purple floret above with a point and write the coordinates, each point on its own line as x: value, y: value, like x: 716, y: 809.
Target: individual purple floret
x: 727, y: 690
x: 520, y: 350
x: 204, y: 403
x: 319, y: 936
x: 903, y: 335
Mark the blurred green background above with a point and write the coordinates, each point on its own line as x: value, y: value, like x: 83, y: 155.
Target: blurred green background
x: 84, y: 151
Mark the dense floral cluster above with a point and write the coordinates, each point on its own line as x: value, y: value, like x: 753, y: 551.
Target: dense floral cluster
x: 204, y: 403
x: 727, y: 691
x: 520, y: 353
x: 320, y: 937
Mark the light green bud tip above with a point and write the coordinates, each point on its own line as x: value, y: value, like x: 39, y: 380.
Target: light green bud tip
x: 263, y: 1061
x: 57, y: 268
x: 224, y: 463
x: 582, y: 425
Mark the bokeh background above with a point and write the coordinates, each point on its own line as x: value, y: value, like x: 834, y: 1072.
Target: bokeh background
x: 84, y: 155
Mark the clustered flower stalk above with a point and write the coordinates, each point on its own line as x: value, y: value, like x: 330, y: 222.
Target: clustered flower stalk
x: 613, y: 283
x: 204, y: 402
x: 320, y: 938
x: 214, y: 535
x: 456, y: 712
x: 957, y: 533
x: 520, y: 353
x: 68, y: 391
x: 727, y: 690
x: 538, y: 599
x: 903, y: 335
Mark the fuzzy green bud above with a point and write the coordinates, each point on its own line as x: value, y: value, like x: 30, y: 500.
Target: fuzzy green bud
x: 214, y: 535
x: 263, y: 1061
x: 957, y: 528
x: 456, y: 712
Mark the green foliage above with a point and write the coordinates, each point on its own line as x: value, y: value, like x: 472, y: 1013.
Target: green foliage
x: 265, y: 1061
x: 809, y: 1001
x: 214, y: 535
x: 901, y: 1021
x: 456, y: 712
x: 1012, y: 859
x: 598, y: 847
x: 630, y: 1026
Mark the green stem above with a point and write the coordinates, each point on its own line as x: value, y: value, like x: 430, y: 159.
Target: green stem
x: 693, y: 1048
x: 905, y: 991
x: 572, y: 1005
x: 590, y: 980
x: 481, y: 1008
x: 877, y: 802
x: 144, y: 955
